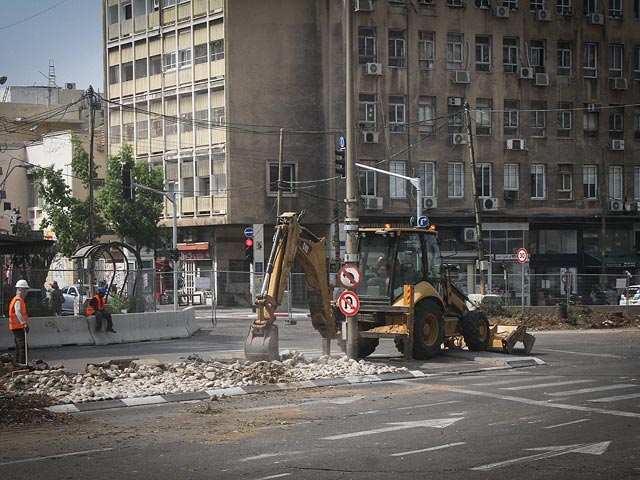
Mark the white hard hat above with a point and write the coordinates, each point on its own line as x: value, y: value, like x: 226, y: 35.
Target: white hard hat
x: 22, y: 284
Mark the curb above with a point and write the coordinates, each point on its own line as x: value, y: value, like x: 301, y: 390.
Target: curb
x: 276, y: 387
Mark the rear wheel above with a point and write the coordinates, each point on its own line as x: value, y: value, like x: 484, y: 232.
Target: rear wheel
x: 428, y: 330
x: 366, y: 346
x: 476, y: 331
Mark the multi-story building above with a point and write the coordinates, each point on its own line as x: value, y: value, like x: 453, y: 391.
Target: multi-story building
x: 203, y: 87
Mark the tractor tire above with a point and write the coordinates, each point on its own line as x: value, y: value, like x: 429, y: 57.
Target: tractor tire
x: 476, y: 331
x: 428, y: 330
x: 366, y: 346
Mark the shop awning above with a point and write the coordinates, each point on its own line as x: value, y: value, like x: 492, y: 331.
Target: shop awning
x: 185, y: 247
x: 613, y: 260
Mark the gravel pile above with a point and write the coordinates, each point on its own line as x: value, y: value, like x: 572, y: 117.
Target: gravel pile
x: 139, y: 378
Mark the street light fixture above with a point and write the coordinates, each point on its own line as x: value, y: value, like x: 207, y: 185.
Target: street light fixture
x: 3, y: 79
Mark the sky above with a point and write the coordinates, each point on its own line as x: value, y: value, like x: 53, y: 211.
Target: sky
x: 69, y: 32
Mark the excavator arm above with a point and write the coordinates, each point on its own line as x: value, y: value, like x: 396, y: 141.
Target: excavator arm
x: 291, y: 243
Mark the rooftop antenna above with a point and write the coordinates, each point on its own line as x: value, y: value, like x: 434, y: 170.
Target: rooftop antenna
x: 52, y: 74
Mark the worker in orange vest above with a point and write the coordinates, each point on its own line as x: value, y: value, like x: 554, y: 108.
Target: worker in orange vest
x: 19, y: 321
x: 96, y: 307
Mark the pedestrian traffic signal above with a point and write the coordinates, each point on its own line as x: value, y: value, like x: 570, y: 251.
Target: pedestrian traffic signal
x: 127, y: 182
x: 248, y: 250
x: 341, y: 162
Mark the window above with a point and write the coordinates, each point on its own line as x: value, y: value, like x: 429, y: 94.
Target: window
x: 565, y: 58
x: 127, y: 72
x: 616, y: 60
x: 368, y: 183
x: 128, y: 132
x: 426, y: 115
x: 141, y: 68
x: 396, y: 113
x: 538, y: 182
x: 396, y: 48
x: 483, y: 4
x: 186, y: 122
x: 155, y: 65
x: 168, y: 3
x: 142, y: 129
x: 483, y: 53
x: 537, y: 52
x: 216, y: 49
x: 615, y: 182
x: 127, y: 11
x: 636, y: 62
x: 636, y: 183
x: 590, y: 6
x: 615, y: 8
x: 616, y: 123
x: 636, y: 124
x: 590, y: 60
x: 455, y: 49
x: 114, y: 74
x: 184, y: 57
x: 511, y: 117
x: 590, y: 123
x: 483, y: 180
x: 112, y: 14
x: 218, y: 116
x: 200, y: 54
x: 510, y: 55
x: 427, y: 50
x: 288, y: 177
x: 564, y: 7
x: 636, y: 9
x: 536, y: 5
x: 484, y: 106
x: 397, y: 186
x: 367, y: 45
x: 427, y: 175
x: 168, y: 61
x: 454, y: 124
x: 565, y: 188
x: 455, y: 3
x: 512, y: 4
x: 455, y: 180
x: 511, y: 177
x: 538, y: 119
x: 367, y: 112
x: 590, y: 181
x: 565, y: 119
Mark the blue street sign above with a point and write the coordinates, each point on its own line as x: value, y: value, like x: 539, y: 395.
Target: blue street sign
x: 341, y: 142
x: 248, y: 232
x: 423, y: 222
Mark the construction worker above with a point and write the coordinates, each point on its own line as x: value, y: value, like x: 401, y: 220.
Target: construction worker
x: 19, y: 321
x: 96, y: 307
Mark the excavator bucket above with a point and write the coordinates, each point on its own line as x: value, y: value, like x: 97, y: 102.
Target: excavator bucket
x: 262, y: 344
x: 505, y: 337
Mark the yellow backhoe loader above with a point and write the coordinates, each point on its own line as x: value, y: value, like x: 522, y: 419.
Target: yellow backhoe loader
x: 405, y: 294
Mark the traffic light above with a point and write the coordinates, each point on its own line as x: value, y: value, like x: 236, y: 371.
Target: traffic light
x: 341, y: 162
x: 248, y: 250
x: 127, y: 181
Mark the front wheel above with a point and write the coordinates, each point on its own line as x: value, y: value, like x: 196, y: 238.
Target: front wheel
x: 476, y: 331
x: 428, y: 330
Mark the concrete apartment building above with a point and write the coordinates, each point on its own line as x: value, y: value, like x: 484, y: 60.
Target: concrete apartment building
x: 203, y: 87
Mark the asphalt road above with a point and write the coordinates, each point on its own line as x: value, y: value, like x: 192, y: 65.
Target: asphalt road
x: 577, y: 416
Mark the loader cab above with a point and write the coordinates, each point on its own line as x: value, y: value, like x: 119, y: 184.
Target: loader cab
x: 393, y: 257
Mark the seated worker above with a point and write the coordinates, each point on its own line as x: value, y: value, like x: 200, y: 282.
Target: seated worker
x: 381, y: 270
x: 96, y: 307
x: 408, y: 272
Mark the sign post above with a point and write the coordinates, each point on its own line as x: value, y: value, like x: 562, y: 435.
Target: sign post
x: 522, y: 256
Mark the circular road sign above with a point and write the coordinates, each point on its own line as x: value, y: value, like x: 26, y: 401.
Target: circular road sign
x: 522, y: 255
x: 349, y: 276
x: 349, y: 303
x: 248, y: 232
x: 423, y: 222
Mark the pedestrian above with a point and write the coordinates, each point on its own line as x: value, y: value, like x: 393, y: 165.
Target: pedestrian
x: 19, y: 321
x: 56, y: 298
x: 96, y: 307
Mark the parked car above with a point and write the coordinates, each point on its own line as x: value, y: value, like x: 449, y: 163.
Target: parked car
x: 70, y: 293
x: 631, y: 294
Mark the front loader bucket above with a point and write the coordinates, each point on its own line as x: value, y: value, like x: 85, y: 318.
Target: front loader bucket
x: 504, y: 338
x: 262, y: 344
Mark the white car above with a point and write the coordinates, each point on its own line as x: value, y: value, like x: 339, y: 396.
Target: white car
x: 631, y: 295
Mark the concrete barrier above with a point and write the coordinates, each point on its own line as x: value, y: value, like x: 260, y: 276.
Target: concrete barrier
x: 46, y: 332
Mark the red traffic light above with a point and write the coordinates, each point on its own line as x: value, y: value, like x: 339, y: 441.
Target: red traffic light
x: 248, y: 242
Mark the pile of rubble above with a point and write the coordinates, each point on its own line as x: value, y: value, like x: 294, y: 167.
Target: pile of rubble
x: 138, y: 378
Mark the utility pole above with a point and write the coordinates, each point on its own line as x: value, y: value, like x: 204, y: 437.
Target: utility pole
x: 90, y: 222
x: 280, y: 167
x: 604, y: 196
x: 476, y: 200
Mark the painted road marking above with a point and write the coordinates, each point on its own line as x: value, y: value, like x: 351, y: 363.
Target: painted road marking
x: 53, y: 457
x: 538, y: 403
x: 606, y: 355
x: 515, y: 379
x: 587, y: 448
x: 593, y: 389
x: 617, y: 398
x: 565, y: 424
x: 542, y: 385
x: 270, y: 455
x: 280, y: 475
x: 440, y: 447
x: 413, y: 407
x: 435, y: 423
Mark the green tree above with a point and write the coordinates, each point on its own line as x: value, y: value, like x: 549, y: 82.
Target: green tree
x: 64, y: 213
x: 134, y: 221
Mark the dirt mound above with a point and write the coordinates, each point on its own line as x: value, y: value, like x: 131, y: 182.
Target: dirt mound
x: 578, y: 318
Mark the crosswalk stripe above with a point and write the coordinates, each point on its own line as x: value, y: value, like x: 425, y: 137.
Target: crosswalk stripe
x: 515, y: 380
x: 593, y: 389
x: 615, y: 399
x: 542, y: 385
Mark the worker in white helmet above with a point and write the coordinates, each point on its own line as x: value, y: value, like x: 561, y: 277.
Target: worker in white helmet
x: 19, y: 320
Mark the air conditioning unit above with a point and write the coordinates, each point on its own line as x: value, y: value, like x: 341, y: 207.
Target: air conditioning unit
x: 454, y: 101
x: 542, y: 79
x: 596, y: 19
x: 470, y: 235
x: 516, y: 144
x: 489, y: 204
x: 618, y: 83
x: 70, y: 86
x: 156, y: 4
x: 502, y: 12
x: 429, y: 202
x: 616, y: 205
x: 374, y: 69
x: 461, y: 76
x: 458, y: 139
x: 594, y: 107
x: 510, y: 194
x: 373, y: 203
x: 628, y: 207
x: 363, y: 5
x: 526, y: 72
x: 616, y: 144
x: 370, y: 137
x: 543, y: 15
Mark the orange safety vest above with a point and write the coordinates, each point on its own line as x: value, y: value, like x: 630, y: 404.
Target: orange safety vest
x: 100, y: 301
x: 14, y: 323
